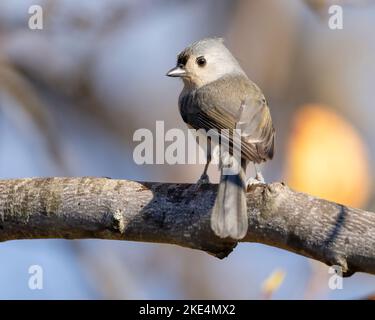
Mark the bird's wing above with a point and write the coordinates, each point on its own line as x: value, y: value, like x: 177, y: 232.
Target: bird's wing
x: 256, y: 126
x: 236, y: 103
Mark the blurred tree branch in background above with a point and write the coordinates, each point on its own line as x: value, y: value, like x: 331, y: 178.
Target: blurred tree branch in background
x: 76, y: 208
x: 22, y: 91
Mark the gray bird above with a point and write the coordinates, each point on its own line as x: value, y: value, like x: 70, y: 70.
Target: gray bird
x: 217, y: 94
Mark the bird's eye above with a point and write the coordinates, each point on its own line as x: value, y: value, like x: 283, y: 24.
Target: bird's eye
x: 201, y: 61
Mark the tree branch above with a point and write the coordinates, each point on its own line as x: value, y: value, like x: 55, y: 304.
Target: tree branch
x: 76, y: 208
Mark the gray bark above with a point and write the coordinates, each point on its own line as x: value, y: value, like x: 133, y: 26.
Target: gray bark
x: 76, y: 208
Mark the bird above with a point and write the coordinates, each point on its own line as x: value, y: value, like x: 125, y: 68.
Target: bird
x: 218, y: 95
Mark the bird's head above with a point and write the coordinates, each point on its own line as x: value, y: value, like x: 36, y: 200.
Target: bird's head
x: 204, y: 62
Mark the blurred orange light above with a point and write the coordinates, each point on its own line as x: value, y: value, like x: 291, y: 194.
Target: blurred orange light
x: 273, y: 283
x: 326, y: 157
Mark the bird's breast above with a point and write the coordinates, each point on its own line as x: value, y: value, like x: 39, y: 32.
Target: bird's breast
x: 188, y: 107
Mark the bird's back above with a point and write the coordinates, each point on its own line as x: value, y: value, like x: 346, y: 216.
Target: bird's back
x: 230, y: 102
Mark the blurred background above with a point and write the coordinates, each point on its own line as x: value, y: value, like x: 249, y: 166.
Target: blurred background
x: 72, y: 95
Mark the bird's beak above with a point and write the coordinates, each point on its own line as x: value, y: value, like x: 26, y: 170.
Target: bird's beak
x: 176, y: 72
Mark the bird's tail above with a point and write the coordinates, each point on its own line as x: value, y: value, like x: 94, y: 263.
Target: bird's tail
x: 229, y: 214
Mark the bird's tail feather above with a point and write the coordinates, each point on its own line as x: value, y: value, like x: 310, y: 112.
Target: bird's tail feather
x: 229, y: 214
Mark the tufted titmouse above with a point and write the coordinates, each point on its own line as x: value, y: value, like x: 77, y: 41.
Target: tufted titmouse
x: 217, y: 94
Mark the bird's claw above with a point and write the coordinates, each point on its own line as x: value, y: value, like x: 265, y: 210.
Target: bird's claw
x: 254, y: 181
x: 204, y: 179
x: 259, y: 177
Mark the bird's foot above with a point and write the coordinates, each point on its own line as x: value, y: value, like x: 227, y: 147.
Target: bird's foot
x: 254, y: 181
x: 259, y: 177
x: 204, y: 179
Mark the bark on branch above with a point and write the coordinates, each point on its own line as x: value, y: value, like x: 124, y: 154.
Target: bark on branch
x: 76, y: 208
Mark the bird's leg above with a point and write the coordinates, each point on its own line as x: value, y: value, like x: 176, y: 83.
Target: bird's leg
x: 258, y: 178
x: 204, y: 178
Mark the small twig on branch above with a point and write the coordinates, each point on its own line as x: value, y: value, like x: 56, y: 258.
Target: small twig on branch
x: 76, y: 208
